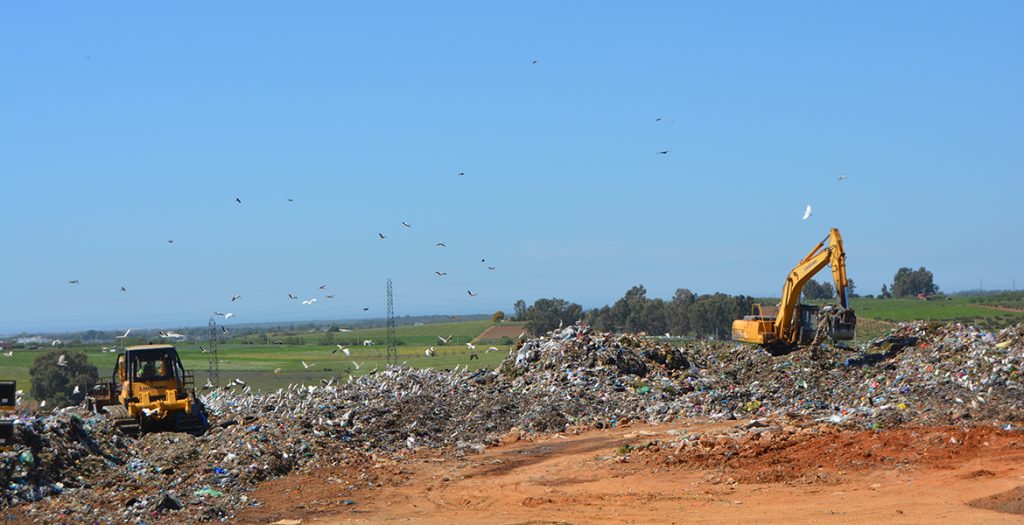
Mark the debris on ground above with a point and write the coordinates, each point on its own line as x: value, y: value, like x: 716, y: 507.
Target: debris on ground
x: 75, y: 468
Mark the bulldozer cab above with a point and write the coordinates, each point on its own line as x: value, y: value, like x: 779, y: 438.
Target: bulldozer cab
x: 156, y: 366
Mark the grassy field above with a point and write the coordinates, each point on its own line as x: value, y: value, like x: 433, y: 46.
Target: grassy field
x: 255, y: 364
x: 959, y: 309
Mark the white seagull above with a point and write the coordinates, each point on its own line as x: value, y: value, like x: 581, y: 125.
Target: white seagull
x: 429, y: 352
x: 304, y: 365
x: 309, y: 301
x: 126, y: 332
x: 62, y: 360
x: 807, y: 212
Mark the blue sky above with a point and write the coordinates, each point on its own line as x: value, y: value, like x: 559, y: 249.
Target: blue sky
x: 123, y: 125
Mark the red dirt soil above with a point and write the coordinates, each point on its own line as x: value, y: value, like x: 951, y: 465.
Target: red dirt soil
x: 907, y: 475
x: 497, y: 332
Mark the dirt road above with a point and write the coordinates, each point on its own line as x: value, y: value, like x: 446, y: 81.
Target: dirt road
x: 855, y: 477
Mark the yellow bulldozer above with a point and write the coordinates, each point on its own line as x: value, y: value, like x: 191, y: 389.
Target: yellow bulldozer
x: 150, y: 391
x: 781, y: 328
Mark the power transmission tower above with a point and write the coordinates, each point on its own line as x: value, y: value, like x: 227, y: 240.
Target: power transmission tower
x: 392, y: 356
x: 213, y: 375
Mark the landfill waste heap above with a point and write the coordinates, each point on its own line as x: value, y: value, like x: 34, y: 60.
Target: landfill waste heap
x: 75, y: 468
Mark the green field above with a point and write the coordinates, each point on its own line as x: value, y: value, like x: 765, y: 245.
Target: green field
x: 959, y: 309
x: 255, y: 363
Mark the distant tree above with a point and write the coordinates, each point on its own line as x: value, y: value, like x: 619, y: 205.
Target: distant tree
x: 676, y: 312
x: 520, y: 310
x: 547, y: 314
x: 909, y: 282
x: 816, y: 291
x: 498, y: 317
x: 55, y: 383
x: 851, y: 289
x: 885, y: 293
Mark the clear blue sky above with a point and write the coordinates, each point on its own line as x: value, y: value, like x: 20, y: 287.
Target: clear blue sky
x: 123, y: 125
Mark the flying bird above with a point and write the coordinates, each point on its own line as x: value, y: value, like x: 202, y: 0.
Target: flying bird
x: 224, y: 329
x: 807, y: 212
x: 309, y: 301
x: 304, y: 365
x: 126, y: 332
x: 62, y: 360
x: 277, y: 370
x: 381, y: 235
x: 228, y: 315
x: 366, y: 308
x: 323, y: 286
x: 429, y: 352
x: 170, y: 241
x: 842, y: 177
x: 235, y: 298
x: 74, y: 281
x: 239, y: 201
x: 123, y: 289
x: 443, y: 340
x: 358, y: 365
x: 172, y: 334
x: 471, y: 294
x: 290, y: 296
x: 9, y: 353
x: 657, y: 119
x: 203, y: 349
x: 344, y: 350
x: 461, y: 173
x: 328, y: 297
x: 491, y: 268
x: 441, y: 244
x: 407, y: 225
x: 663, y: 152
x: 219, y: 314
x: 441, y: 274
x: 76, y: 390
x: 291, y: 200
x: 536, y: 61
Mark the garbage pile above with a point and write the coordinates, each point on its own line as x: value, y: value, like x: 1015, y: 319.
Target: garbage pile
x: 77, y: 469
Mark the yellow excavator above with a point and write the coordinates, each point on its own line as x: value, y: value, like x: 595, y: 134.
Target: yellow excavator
x: 149, y: 391
x: 782, y: 328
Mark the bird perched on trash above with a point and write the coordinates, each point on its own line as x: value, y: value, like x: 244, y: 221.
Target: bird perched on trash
x: 429, y: 352
x: 358, y: 365
x: 807, y: 212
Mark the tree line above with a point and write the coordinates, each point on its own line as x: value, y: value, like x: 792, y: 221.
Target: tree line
x: 709, y: 315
